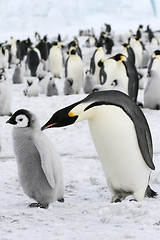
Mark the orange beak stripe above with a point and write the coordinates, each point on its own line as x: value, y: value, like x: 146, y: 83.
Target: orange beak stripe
x: 49, y: 125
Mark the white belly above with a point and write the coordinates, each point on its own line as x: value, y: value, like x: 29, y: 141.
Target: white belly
x: 75, y: 71
x: 115, y: 140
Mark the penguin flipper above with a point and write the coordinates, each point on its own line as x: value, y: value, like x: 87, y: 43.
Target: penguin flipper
x: 44, y: 148
x: 143, y: 136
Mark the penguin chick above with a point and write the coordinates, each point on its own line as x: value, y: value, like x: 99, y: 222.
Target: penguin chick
x: 68, y: 86
x: 32, y: 88
x: 39, y: 166
x: 5, y: 96
x: 88, y: 82
x: 122, y: 139
x: 151, y: 92
x: 51, y: 88
x: 17, y: 76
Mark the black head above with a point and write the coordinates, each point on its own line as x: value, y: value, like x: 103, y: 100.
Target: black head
x: 73, y: 52
x: 21, y: 118
x: 2, y: 77
x: 61, y: 118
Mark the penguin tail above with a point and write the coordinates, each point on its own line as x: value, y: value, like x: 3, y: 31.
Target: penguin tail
x: 150, y: 192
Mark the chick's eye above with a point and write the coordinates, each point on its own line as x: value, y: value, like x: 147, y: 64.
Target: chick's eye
x: 21, y: 119
x: 114, y: 83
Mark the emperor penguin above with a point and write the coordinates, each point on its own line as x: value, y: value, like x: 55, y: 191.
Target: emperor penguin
x: 32, y: 88
x: 17, y: 75
x: 68, y: 86
x: 5, y: 95
x: 52, y: 89
x: 122, y: 139
x: 128, y: 52
x: 154, y: 63
x: 44, y: 51
x: 151, y: 91
x: 39, y: 166
x: 56, y: 60
x: 74, y: 70
x: 33, y: 60
x: 98, y: 55
x: 4, y: 57
x: 138, y: 47
x: 119, y: 73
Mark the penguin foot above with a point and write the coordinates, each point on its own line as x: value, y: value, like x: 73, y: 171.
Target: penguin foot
x: 117, y: 200
x: 36, y: 205
x: 133, y: 200
x: 60, y: 200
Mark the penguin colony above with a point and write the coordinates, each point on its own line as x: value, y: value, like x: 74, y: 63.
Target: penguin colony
x: 117, y: 67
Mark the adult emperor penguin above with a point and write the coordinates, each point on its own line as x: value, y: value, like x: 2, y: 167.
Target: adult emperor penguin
x: 119, y: 73
x: 151, y: 92
x: 128, y: 52
x: 122, y: 139
x: 33, y: 60
x: 154, y: 63
x: 96, y: 57
x: 56, y: 60
x: 74, y: 70
x: 138, y: 48
x: 5, y: 95
x: 39, y: 165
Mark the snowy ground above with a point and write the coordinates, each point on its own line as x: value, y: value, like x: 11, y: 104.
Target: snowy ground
x: 87, y: 212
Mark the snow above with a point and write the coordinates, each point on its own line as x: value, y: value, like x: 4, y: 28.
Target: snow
x: 87, y: 212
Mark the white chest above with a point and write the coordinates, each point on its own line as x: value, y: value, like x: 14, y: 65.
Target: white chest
x: 115, y: 139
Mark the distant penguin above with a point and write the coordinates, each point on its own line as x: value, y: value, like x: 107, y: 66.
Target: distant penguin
x: 89, y: 82
x: 22, y: 47
x: 109, y: 43
x: 4, y: 57
x: 75, y: 45
x: 122, y: 139
x: 151, y: 92
x: 96, y: 57
x: 5, y: 96
x: 68, y: 86
x: 39, y: 166
x: 56, y: 60
x: 138, y: 48
x: 118, y: 73
x: 52, y: 89
x: 74, y: 70
x: 44, y: 51
x: 128, y: 52
x: 154, y: 63
x: 17, y: 75
x: 13, y: 50
x: 91, y: 42
x: 33, y: 60
x: 139, y: 31
x: 32, y: 87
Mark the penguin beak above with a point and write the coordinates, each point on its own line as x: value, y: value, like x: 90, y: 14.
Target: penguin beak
x: 61, y: 118
x: 11, y: 121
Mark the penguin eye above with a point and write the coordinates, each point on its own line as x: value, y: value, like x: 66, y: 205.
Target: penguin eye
x: 21, y: 119
x: 114, y: 83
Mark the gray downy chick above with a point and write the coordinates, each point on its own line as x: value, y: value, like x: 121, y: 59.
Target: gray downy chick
x: 51, y: 87
x: 39, y: 166
x: 68, y: 86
